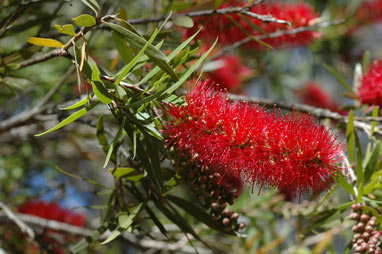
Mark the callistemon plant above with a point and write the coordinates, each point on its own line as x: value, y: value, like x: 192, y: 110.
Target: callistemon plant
x: 231, y: 28
x: 293, y: 154
x: 370, y: 91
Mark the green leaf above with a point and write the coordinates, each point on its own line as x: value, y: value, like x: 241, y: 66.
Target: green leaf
x: 371, y: 186
x: 69, y: 119
x: 125, y: 221
x: 177, y: 219
x: 65, y: 29
x: 359, y: 171
x: 137, y: 41
x: 92, y: 4
x: 80, y: 177
x: 156, y: 221
x: 129, y: 174
x: 114, y: 143
x: 176, y: 85
x: 374, y: 123
x: 340, y: 78
x: 197, y: 212
x: 129, y: 66
x: 45, y: 42
x: 170, y: 57
x: 366, y: 61
x: 183, y: 21
x: 124, y: 51
x: 77, y: 104
x: 372, y: 163
x: 152, y: 152
x: 345, y: 185
x: 99, y: 89
x: 112, y: 236
x: 85, y: 242
x: 84, y: 20
x: 101, y: 135
x: 350, y: 136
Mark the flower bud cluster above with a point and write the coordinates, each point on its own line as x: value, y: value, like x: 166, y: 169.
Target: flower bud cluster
x: 215, y: 196
x: 370, y: 91
x: 366, y: 238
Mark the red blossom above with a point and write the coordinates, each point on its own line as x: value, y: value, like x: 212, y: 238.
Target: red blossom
x: 231, y: 72
x: 370, y: 11
x: 370, y: 91
x: 313, y: 94
x: 52, y: 211
x: 292, y: 154
x: 221, y: 26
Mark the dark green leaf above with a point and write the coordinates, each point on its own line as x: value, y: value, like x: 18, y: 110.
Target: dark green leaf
x: 115, y: 143
x: 124, y: 51
x: 92, y: 4
x: 197, y: 212
x: 138, y: 42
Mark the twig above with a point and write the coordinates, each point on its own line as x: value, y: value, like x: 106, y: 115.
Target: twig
x: 64, y: 50
x: 275, y: 35
x: 316, y: 112
x: 26, y: 115
x: 229, y: 10
x: 144, y: 243
x: 124, y: 84
x: 13, y: 217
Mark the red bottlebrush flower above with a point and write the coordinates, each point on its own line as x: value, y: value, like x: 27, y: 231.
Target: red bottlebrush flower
x: 222, y: 27
x: 370, y: 11
x: 230, y: 74
x: 370, y: 91
x: 313, y: 94
x: 292, y: 154
x: 52, y: 211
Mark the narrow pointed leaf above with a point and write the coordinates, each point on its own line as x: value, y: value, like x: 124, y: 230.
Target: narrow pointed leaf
x: 77, y: 104
x: 69, y: 119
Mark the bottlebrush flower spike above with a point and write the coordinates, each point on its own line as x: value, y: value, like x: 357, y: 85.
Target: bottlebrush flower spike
x: 370, y: 11
x: 299, y: 15
x: 52, y: 211
x: 291, y: 154
x: 370, y: 90
x: 313, y: 94
x: 231, y: 72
